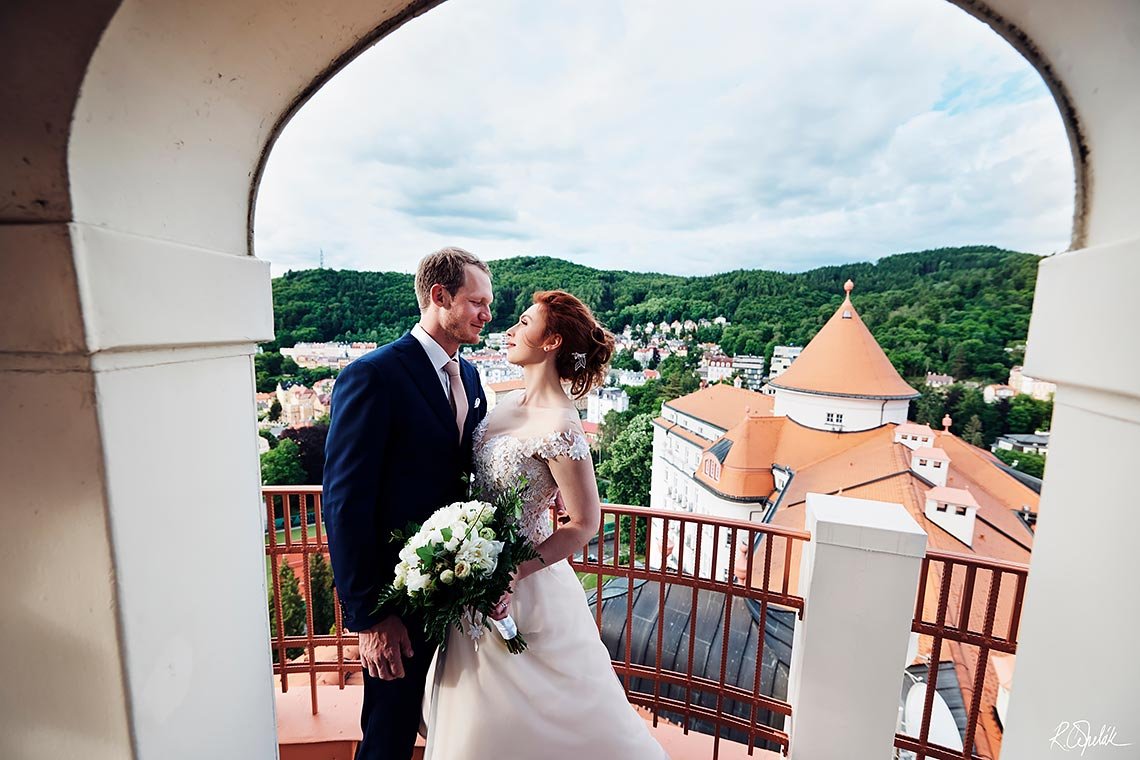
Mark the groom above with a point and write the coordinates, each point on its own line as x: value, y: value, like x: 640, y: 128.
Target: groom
x: 398, y: 447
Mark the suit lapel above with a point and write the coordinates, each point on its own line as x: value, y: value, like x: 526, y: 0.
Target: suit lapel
x: 471, y: 387
x: 427, y: 378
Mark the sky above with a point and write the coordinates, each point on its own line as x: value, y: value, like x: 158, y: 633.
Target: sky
x: 643, y: 135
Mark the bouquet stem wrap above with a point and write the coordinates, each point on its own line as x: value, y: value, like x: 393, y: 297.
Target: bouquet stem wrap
x: 510, y: 633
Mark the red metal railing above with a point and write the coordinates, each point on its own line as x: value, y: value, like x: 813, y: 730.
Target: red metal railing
x: 677, y: 554
x: 971, y: 621
x: 748, y: 575
x: 305, y: 503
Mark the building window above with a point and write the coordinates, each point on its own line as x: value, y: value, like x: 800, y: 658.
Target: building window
x: 922, y: 463
x: 938, y: 465
x: 940, y: 507
x: 834, y: 418
x: 960, y: 510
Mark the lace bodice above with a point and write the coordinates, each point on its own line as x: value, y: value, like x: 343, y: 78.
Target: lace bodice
x: 502, y: 460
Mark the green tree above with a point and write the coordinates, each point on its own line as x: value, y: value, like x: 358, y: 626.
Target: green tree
x: 624, y: 360
x: 281, y: 466
x: 275, y: 411
x: 972, y: 433
x: 292, y: 608
x: 321, y: 594
x: 269, y: 437
x: 1025, y: 461
x: 628, y: 465
x: 310, y: 442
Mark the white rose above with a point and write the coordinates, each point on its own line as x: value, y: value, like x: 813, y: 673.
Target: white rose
x: 473, y: 509
x: 417, y: 581
x: 401, y: 578
x: 462, y: 569
x: 447, y: 577
x: 480, y: 553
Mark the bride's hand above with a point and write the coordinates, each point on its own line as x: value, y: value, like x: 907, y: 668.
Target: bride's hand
x: 502, y: 607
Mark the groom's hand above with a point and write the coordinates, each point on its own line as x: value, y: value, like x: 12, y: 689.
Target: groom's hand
x: 383, y: 648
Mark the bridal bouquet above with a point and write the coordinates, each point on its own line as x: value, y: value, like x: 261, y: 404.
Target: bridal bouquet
x: 455, y: 567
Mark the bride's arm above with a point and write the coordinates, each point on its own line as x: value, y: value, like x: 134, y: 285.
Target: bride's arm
x: 575, y: 479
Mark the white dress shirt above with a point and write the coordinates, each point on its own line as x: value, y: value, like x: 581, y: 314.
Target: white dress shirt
x: 437, y: 356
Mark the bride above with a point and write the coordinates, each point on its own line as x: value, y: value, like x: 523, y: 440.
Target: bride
x: 560, y: 699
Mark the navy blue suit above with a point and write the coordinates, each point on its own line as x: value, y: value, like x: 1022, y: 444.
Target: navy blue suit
x: 392, y: 457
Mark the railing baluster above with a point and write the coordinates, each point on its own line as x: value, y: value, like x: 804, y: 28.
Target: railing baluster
x: 963, y: 634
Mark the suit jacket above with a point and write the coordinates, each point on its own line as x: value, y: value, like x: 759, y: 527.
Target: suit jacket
x: 393, y: 456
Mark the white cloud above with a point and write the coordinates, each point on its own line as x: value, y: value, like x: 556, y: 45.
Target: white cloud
x: 645, y: 135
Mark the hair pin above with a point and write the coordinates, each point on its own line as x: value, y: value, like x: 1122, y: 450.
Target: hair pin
x: 579, y: 360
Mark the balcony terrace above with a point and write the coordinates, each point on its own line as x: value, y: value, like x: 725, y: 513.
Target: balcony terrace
x: 132, y: 301
x: 709, y: 660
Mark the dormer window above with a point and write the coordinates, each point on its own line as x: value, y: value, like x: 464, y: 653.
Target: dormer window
x: 960, y: 510
x: 940, y: 507
x: 938, y: 465
x: 922, y: 463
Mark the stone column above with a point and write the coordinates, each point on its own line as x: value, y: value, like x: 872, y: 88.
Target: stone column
x: 859, y: 578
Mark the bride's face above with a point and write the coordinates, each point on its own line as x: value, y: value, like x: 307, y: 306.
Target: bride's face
x: 527, y: 342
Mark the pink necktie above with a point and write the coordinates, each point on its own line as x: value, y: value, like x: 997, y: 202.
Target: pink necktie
x: 458, y: 395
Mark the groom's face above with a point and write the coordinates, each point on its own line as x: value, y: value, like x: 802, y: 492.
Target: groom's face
x: 470, y: 308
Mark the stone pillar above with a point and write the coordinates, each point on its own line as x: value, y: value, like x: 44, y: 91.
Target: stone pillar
x: 136, y: 622
x: 1080, y: 667
x: 859, y: 578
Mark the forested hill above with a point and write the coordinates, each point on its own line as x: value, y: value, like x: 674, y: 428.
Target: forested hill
x: 951, y: 310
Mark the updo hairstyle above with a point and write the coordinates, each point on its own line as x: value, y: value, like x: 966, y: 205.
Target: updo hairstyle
x: 568, y: 317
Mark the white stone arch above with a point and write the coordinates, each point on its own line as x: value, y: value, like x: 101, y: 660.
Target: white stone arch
x: 132, y: 144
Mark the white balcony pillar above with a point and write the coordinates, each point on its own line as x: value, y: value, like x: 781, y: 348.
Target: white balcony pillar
x: 1083, y: 337
x: 859, y: 578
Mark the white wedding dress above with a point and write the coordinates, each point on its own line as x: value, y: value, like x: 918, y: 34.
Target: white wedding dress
x: 560, y: 699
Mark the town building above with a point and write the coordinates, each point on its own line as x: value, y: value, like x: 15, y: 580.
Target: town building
x: 782, y: 358
x: 998, y: 392
x: 715, y: 367
x: 935, y: 380
x: 1038, y: 389
x: 602, y: 401
x: 333, y: 355
x: 750, y: 370
x: 1034, y: 443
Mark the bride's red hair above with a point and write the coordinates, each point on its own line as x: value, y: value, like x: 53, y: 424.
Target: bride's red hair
x: 581, y: 334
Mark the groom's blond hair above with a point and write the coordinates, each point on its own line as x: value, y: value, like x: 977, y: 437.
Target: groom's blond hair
x: 446, y: 267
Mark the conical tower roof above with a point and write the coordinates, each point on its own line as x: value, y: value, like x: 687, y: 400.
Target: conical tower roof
x: 844, y: 359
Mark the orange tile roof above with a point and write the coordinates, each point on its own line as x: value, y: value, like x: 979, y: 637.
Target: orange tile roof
x: 844, y: 359
x: 721, y: 405
x: 674, y: 429
x: 746, y: 472
x: 507, y: 385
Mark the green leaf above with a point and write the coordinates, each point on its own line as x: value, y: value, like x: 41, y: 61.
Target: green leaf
x: 446, y: 533
x: 426, y: 554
